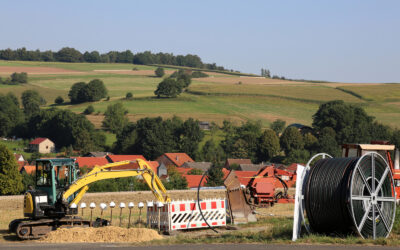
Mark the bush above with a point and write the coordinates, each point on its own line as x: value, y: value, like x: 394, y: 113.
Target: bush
x: 199, y: 74
x: 59, y: 100
x: 19, y: 77
x: 89, y: 110
x: 129, y: 96
x: 159, y: 72
x: 93, y: 91
x: 135, y: 69
x: 169, y: 88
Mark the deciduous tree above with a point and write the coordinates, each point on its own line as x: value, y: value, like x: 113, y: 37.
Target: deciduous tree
x: 114, y: 118
x: 268, y: 145
x: 10, y: 179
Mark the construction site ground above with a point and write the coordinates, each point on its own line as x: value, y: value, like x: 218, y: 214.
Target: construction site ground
x: 274, y: 225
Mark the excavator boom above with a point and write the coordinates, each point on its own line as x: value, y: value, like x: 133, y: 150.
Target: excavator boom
x: 106, y: 172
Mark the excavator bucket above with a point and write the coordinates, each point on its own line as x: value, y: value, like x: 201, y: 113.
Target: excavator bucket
x: 241, y: 212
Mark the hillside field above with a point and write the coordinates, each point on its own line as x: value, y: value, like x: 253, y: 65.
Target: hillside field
x: 215, y: 98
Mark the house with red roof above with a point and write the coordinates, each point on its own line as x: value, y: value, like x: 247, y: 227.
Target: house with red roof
x: 42, y: 145
x: 161, y: 170
x: 194, y: 180
x: 28, y: 169
x: 183, y: 171
x: 20, y: 161
x: 90, y: 162
x: 117, y: 158
x: 174, y: 159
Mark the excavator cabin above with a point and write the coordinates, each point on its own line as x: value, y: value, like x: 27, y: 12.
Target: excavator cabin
x: 53, y: 176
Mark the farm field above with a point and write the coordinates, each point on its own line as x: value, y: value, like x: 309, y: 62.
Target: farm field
x: 218, y: 97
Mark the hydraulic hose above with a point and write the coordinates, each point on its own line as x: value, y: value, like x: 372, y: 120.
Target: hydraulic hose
x: 198, y: 202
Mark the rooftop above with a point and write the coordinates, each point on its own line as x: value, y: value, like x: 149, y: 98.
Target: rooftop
x: 38, y: 140
x: 90, y: 162
x: 116, y: 158
x: 194, y: 180
x: 178, y: 158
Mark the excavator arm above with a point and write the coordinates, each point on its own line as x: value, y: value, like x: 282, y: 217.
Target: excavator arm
x: 105, y: 172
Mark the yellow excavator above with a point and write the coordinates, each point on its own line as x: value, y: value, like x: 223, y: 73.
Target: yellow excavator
x: 52, y: 202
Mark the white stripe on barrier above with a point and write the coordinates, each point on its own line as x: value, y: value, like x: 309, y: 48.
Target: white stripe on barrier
x: 186, y: 214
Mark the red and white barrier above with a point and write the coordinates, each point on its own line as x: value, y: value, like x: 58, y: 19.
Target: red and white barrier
x: 186, y: 214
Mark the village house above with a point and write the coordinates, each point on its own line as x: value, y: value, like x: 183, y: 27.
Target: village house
x: 203, y: 166
x: 90, y: 162
x: 117, y: 158
x: 20, y: 161
x: 250, y: 167
x: 237, y: 162
x: 204, y: 125
x: 28, y: 169
x: 42, y: 145
x: 98, y: 154
x: 174, y: 159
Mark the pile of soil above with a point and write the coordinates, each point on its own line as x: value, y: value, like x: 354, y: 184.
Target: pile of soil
x: 101, y: 234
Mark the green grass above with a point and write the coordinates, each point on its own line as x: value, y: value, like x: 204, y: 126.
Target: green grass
x: 212, y: 101
x: 77, y: 66
x: 307, y: 93
x: 278, y: 230
x: 379, y: 93
x: 17, y: 147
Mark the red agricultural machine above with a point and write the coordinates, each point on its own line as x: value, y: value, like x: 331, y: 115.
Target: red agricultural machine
x: 385, y: 150
x: 263, y: 189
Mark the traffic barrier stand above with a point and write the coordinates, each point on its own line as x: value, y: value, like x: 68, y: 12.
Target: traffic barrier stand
x: 179, y: 215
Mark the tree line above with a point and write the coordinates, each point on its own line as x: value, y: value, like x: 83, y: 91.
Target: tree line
x: 68, y: 54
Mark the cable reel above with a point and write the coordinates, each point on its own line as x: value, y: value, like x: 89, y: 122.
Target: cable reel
x: 348, y: 195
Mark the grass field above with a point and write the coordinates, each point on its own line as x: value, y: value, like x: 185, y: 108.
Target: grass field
x: 215, y: 98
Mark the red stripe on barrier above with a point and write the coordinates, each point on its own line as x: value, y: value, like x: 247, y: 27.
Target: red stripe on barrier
x: 203, y: 224
x: 173, y: 227
x: 222, y: 204
x: 193, y: 225
x: 173, y: 208
x: 192, y: 206
x: 213, y: 205
x: 223, y: 223
x: 183, y: 226
x: 214, y: 223
x: 203, y: 205
x: 182, y: 207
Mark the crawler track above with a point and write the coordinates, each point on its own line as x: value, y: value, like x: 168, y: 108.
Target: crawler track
x: 36, y: 229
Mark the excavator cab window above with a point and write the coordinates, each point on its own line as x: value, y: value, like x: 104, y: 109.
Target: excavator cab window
x: 62, y: 176
x: 43, y: 174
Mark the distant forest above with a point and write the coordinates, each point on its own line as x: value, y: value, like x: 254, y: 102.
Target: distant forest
x: 72, y: 55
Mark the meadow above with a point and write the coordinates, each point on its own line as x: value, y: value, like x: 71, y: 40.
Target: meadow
x: 218, y: 97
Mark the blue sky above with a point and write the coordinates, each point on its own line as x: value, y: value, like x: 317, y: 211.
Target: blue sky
x: 351, y: 41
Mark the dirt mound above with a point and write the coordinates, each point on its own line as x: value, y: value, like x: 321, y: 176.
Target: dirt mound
x: 102, y: 234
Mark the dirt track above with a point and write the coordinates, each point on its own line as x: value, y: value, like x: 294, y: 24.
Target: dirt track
x: 37, y: 70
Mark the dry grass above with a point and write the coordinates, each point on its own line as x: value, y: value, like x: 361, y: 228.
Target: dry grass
x: 11, y: 207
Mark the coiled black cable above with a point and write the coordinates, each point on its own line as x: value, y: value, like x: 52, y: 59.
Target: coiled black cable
x: 325, y: 197
x: 330, y: 206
